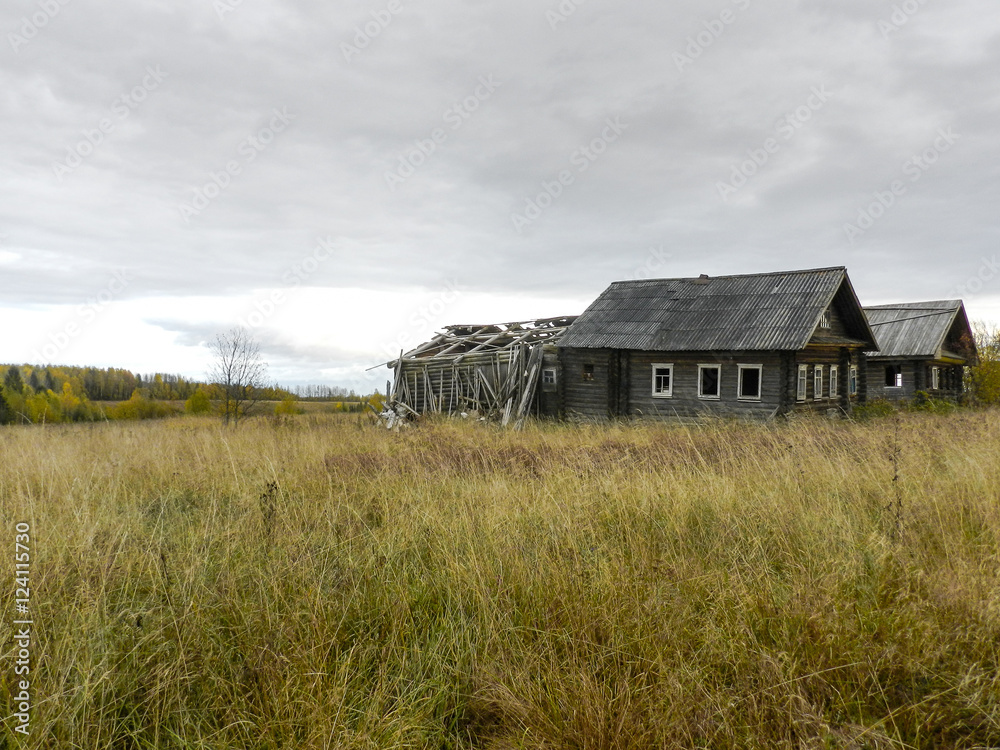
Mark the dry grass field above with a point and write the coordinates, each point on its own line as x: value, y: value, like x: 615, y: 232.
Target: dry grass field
x: 317, y: 582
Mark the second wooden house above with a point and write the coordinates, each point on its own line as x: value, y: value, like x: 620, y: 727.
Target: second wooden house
x: 923, y: 347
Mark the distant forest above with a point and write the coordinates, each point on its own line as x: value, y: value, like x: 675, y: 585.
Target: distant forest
x: 71, y: 394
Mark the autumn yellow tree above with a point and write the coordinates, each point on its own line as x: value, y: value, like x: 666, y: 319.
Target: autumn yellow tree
x: 985, y: 376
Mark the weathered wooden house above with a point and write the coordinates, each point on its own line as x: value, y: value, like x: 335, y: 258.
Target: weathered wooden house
x: 508, y: 370
x: 755, y: 345
x: 922, y: 346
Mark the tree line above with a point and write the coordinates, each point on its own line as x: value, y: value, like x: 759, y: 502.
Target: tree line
x: 46, y: 394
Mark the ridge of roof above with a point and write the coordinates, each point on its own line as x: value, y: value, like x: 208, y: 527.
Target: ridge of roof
x: 732, y: 276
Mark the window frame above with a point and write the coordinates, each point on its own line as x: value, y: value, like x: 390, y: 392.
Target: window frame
x: 549, y: 371
x: 824, y: 319
x: 587, y: 373
x: 802, y: 384
x: 718, y: 382
x: 817, y: 382
x: 897, y: 376
x: 740, y: 369
x: 669, y: 393
x: 852, y: 381
x: 935, y: 378
x: 834, y: 381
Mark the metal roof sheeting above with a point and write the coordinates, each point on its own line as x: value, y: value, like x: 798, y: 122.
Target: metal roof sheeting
x: 770, y: 311
x: 912, y: 329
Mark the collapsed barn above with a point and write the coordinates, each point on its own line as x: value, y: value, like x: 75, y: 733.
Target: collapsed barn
x: 505, y: 371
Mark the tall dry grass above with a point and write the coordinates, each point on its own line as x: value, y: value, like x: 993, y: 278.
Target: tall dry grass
x: 319, y: 583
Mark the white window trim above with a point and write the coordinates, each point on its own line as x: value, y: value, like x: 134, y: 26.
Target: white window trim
x: 547, y: 371
x: 935, y: 378
x: 852, y: 382
x: 834, y: 381
x: 817, y: 381
x: 739, y: 382
x: 717, y: 396
x: 802, y: 383
x: 669, y: 393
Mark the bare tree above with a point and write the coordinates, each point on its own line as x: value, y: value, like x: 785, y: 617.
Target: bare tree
x: 239, y: 372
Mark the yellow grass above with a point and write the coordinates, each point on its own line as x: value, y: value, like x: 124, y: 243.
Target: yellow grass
x: 317, y: 582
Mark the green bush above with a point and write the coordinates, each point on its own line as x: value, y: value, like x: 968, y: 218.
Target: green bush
x: 287, y: 405
x: 923, y: 401
x: 139, y: 407
x: 199, y: 403
x: 876, y: 409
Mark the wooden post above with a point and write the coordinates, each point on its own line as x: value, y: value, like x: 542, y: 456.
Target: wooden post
x: 862, y: 378
x: 844, y: 381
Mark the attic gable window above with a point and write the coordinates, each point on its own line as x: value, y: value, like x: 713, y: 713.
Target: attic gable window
x: 588, y: 372
x: 663, y: 381
x: 709, y: 377
x: 824, y: 320
x: 893, y: 376
x: 748, y: 387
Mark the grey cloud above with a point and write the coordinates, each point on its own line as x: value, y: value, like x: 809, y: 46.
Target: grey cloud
x: 324, y: 175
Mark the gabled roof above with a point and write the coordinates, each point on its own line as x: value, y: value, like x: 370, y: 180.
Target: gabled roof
x: 764, y: 311
x: 918, y: 329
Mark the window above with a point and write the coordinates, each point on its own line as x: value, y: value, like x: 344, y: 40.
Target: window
x: 663, y: 381
x: 588, y: 372
x: 935, y: 378
x: 818, y: 382
x: 800, y: 393
x: 824, y: 320
x: 749, y: 382
x: 893, y: 376
x: 549, y: 379
x: 708, y: 380
x: 834, y: 381
x: 852, y: 381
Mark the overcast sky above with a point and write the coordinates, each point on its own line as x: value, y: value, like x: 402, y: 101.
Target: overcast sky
x: 346, y: 177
